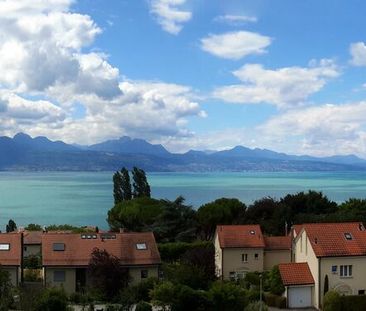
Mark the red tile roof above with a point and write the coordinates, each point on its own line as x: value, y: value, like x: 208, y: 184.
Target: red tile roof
x: 32, y: 237
x: 277, y: 242
x: 11, y: 257
x: 328, y: 239
x: 238, y: 236
x: 295, y: 274
x: 296, y: 229
x: 78, y: 251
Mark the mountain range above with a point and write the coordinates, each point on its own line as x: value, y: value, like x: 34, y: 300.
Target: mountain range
x: 24, y: 153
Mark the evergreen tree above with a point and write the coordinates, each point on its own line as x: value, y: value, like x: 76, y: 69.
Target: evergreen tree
x: 11, y: 226
x: 117, y: 188
x: 326, y: 284
x: 126, y: 185
x: 141, y: 187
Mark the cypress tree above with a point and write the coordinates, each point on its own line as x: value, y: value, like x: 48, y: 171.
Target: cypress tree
x: 11, y: 226
x: 117, y: 188
x: 141, y: 187
x: 126, y: 185
x: 326, y: 284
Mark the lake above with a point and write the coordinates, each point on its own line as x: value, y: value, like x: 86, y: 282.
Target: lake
x: 83, y: 198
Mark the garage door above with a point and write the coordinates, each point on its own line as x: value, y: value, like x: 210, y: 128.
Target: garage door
x: 299, y: 297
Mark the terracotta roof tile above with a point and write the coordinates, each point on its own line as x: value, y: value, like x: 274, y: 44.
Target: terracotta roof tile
x: 32, y: 237
x: 329, y: 239
x: 277, y: 242
x: 11, y: 257
x: 295, y: 274
x: 78, y: 250
x: 246, y: 236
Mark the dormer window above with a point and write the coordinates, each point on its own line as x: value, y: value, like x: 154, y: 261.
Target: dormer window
x: 58, y: 247
x: 5, y: 247
x: 348, y: 236
x: 141, y: 246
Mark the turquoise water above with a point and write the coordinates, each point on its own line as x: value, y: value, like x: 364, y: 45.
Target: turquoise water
x: 83, y: 198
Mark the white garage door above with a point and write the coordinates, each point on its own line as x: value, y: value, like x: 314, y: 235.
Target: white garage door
x: 299, y: 297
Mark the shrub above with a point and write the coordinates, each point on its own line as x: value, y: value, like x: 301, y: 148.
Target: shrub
x: 139, y: 292
x: 171, y: 252
x: 275, y: 281
x: 110, y: 307
x: 32, y: 275
x: 332, y: 301
x: 189, y: 275
x: 143, y: 306
x: 32, y: 262
x: 256, y: 306
x: 227, y: 296
x: 275, y: 301
x: 52, y: 299
x: 351, y: 303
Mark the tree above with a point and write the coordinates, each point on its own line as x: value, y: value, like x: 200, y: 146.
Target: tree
x: 11, y: 226
x: 222, y: 211
x: 33, y: 227
x: 141, y: 187
x: 126, y: 185
x: 52, y: 299
x: 275, y: 281
x: 227, y: 296
x: 117, y: 188
x: 326, y: 284
x: 5, y: 290
x: 107, y: 274
x: 332, y: 301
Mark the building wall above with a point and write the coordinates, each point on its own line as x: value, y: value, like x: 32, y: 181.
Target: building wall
x: 232, y: 261
x: 31, y: 250
x: 14, y: 273
x: 218, y: 257
x: 354, y: 283
x: 135, y: 273
x: 275, y: 257
x: 70, y: 279
x: 304, y: 253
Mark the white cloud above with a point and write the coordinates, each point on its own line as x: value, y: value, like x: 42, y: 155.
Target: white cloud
x: 284, y: 87
x: 236, y: 19
x: 358, y: 53
x: 235, y: 45
x: 170, y: 15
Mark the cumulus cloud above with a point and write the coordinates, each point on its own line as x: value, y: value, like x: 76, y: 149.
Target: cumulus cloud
x: 358, y: 53
x: 170, y: 15
x: 284, y: 87
x: 235, y: 45
x: 236, y: 19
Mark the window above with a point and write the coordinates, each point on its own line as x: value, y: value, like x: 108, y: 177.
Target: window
x: 256, y: 256
x: 5, y: 247
x: 89, y: 236
x: 59, y: 276
x: 334, y: 269
x: 244, y: 257
x: 144, y: 274
x: 141, y: 246
x: 58, y: 247
x: 348, y: 236
x: 252, y: 232
x: 345, y: 270
x: 361, y: 292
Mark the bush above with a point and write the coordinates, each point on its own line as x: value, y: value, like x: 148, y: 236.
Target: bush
x: 275, y: 301
x: 143, y: 306
x: 172, y: 252
x: 32, y: 262
x: 32, y: 275
x: 332, y: 301
x: 275, y: 281
x: 256, y: 306
x: 52, y: 299
x: 110, y: 307
x: 139, y: 292
x: 227, y: 296
x: 184, y: 274
x: 351, y: 303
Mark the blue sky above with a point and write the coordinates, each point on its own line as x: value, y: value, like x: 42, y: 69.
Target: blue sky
x: 190, y: 74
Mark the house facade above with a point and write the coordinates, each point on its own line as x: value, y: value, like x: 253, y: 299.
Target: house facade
x: 66, y: 256
x: 243, y: 248
x: 11, y: 255
x: 333, y: 251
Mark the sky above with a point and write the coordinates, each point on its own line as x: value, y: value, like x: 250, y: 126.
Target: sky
x: 285, y: 75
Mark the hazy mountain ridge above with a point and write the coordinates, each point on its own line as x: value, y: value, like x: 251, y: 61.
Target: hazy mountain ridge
x: 25, y: 153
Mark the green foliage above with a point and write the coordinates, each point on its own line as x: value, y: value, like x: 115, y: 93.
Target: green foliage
x: 332, y: 301
x: 275, y: 281
x: 143, y: 306
x: 117, y: 188
x: 52, y: 299
x: 275, y: 300
x: 256, y: 306
x: 219, y: 212
x: 326, y: 284
x: 5, y: 290
x: 352, y: 303
x: 141, y: 187
x: 11, y: 226
x: 226, y: 296
x: 114, y: 307
x: 185, y: 274
x: 164, y: 294
x: 107, y: 274
x: 32, y: 275
x: 33, y: 227
x: 32, y: 262
x: 71, y: 228
x: 171, y: 252
x: 139, y: 292
x: 252, y: 278
x: 126, y: 185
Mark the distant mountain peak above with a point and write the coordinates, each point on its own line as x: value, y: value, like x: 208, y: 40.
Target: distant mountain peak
x: 22, y: 136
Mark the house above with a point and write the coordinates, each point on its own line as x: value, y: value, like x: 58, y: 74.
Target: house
x: 299, y: 284
x: 243, y: 248
x: 11, y: 255
x: 66, y: 256
x: 32, y: 243
x: 333, y: 251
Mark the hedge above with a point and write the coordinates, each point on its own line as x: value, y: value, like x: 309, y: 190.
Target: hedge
x: 353, y: 303
x: 275, y: 301
x: 171, y: 252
